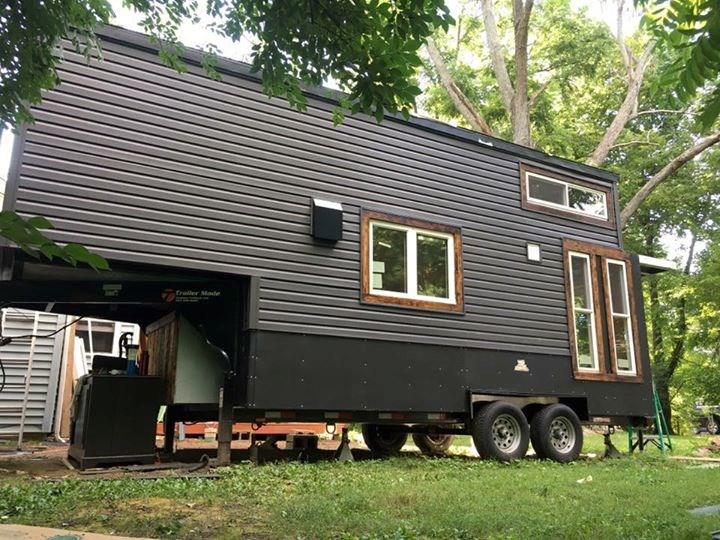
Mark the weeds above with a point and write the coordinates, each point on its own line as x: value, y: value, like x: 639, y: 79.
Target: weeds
x: 404, y: 498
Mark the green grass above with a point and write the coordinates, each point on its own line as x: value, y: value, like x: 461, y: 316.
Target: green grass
x: 402, y: 498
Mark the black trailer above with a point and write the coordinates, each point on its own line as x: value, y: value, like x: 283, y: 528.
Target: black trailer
x: 411, y: 276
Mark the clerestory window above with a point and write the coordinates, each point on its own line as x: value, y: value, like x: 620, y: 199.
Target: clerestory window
x: 550, y: 193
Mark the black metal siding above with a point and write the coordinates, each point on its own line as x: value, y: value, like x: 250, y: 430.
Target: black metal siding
x: 145, y: 165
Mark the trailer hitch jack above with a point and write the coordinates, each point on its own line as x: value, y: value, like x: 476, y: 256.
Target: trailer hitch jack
x: 610, y: 451
x: 343, y: 453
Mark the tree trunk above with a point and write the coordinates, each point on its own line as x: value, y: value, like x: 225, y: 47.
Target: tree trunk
x: 496, y: 54
x: 664, y: 370
x: 520, y: 110
x: 459, y: 99
x: 617, y: 125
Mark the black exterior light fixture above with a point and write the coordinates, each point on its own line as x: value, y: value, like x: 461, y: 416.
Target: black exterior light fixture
x: 327, y: 220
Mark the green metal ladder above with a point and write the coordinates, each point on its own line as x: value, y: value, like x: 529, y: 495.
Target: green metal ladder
x: 661, y: 439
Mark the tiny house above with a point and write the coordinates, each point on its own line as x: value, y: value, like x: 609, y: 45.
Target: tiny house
x: 411, y: 276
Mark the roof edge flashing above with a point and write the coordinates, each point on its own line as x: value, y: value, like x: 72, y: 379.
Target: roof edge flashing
x: 655, y: 265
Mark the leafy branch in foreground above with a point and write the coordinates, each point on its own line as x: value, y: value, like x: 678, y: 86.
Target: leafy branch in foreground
x: 692, y: 28
x: 369, y: 47
x: 29, y: 34
x: 27, y: 235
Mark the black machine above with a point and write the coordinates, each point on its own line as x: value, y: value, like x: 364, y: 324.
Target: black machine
x: 114, y: 416
x: 114, y: 419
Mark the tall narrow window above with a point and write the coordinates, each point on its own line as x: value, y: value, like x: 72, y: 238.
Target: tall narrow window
x: 602, y: 313
x: 586, y: 350
x: 411, y: 262
x: 621, y: 329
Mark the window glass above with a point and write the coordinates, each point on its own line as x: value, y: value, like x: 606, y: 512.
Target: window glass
x: 581, y: 281
x: 102, y: 335
x: 584, y: 334
x: 617, y: 288
x: 432, y: 266
x: 622, y: 343
x: 622, y: 333
x: 546, y: 190
x: 565, y: 195
x: 586, y: 201
x: 583, y: 313
x: 389, y: 271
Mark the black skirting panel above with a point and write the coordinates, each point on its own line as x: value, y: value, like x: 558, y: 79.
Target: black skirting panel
x: 310, y: 372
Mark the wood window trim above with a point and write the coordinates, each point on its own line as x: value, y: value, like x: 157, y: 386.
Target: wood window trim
x: 366, y: 294
x: 527, y: 204
x: 633, y: 319
x: 597, y: 321
x: 607, y: 360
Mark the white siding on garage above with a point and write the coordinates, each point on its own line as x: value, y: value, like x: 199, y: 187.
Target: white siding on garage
x: 47, y: 358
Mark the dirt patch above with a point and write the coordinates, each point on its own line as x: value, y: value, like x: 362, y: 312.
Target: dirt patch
x: 42, y: 461
x: 47, y: 461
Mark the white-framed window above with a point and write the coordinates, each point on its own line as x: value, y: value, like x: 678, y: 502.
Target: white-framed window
x: 566, y: 196
x: 412, y: 263
x: 583, y: 312
x: 621, y: 334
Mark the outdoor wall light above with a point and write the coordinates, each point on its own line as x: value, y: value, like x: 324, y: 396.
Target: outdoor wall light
x: 327, y: 220
x: 534, y: 253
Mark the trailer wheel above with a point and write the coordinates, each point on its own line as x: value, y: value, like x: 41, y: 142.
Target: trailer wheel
x: 383, y: 440
x: 712, y: 426
x: 556, y: 433
x: 500, y: 431
x: 432, y: 445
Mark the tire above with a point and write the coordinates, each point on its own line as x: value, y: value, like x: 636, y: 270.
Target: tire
x: 500, y: 431
x: 713, y: 426
x: 556, y: 433
x: 432, y: 445
x: 383, y: 440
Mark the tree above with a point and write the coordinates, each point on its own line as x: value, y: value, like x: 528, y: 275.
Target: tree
x: 370, y: 48
x: 679, y: 309
x: 520, y: 83
x: 581, y: 85
x: 692, y: 29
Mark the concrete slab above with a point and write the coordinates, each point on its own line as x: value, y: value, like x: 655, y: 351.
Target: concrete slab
x: 706, y: 510
x: 27, y: 532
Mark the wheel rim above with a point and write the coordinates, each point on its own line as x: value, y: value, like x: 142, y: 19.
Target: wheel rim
x: 506, y: 433
x: 387, y: 437
x: 562, y: 435
x: 712, y: 427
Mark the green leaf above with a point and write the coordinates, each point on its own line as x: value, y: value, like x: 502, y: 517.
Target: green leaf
x: 711, y: 111
x: 39, y: 222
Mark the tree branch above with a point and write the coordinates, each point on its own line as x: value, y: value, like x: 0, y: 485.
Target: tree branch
x: 624, y: 52
x: 631, y: 143
x: 496, y: 55
x: 664, y: 173
x: 533, y: 99
x: 626, y: 110
x: 661, y: 111
x: 459, y: 99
